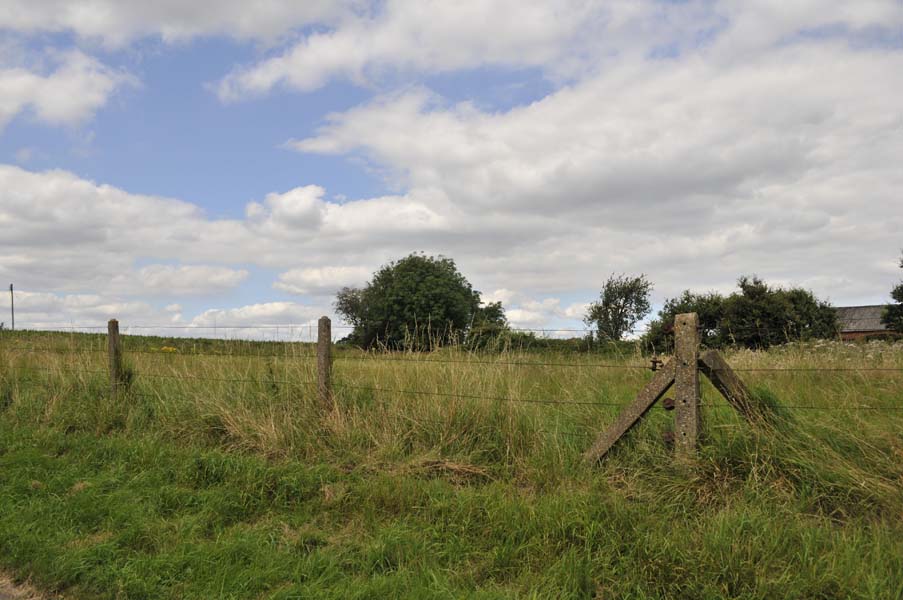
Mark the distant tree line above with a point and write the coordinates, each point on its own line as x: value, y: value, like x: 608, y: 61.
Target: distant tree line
x: 756, y: 316
x: 421, y: 302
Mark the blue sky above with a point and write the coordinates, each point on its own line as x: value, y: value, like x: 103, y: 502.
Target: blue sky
x: 250, y: 166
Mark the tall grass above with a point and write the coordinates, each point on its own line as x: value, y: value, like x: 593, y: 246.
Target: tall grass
x: 758, y: 514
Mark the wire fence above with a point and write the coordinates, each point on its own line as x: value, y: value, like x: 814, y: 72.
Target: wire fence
x: 415, y: 392
x: 295, y: 351
x: 427, y: 357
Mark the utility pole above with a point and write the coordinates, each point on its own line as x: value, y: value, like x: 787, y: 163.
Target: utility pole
x: 12, y: 308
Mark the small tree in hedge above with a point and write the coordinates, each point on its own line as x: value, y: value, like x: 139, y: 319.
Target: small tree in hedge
x: 622, y: 303
x: 414, y: 302
x: 893, y: 314
x: 489, y: 327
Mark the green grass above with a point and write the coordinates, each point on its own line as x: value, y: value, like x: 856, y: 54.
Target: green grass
x: 191, y: 488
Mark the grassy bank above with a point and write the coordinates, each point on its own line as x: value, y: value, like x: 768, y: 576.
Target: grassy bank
x: 217, y: 476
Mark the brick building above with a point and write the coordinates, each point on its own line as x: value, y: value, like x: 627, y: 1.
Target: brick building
x: 861, y: 322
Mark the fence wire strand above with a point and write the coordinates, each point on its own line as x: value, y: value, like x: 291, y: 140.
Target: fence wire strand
x: 403, y: 391
x: 515, y: 363
x: 471, y: 396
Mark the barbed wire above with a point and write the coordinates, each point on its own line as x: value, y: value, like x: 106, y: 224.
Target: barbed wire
x: 815, y: 369
x: 501, y: 363
x: 310, y: 326
x: 224, y: 379
x: 445, y: 424
x: 809, y: 407
x: 77, y: 351
x: 472, y: 396
x: 403, y: 391
x: 58, y: 368
x: 140, y: 375
x: 177, y: 353
x: 491, y: 362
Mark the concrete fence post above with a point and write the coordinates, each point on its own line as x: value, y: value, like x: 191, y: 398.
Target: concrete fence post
x: 686, y: 383
x: 324, y: 363
x: 114, y: 346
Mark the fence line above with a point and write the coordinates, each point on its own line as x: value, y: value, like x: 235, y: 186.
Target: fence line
x: 312, y: 326
x: 35, y: 350
x: 423, y: 392
x: 380, y: 358
x: 491, y: 362
x: 418, y: 392
x: 471, y: 396
x: 682, y: 372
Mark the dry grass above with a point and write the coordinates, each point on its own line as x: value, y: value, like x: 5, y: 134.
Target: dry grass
x: 10, y: 590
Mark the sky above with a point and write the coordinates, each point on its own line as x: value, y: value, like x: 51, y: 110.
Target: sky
x: 191, y: 164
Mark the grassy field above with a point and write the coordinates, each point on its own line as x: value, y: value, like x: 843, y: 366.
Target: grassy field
x: 219, y: 477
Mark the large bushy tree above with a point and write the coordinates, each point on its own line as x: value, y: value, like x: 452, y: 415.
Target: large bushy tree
x: 893, y: 314
x: 755, y: 316
x: 760, y: 315
x: 623, y: 302
x: 415, y: 302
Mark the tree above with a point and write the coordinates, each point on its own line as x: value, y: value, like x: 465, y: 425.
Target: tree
x: 756, y: 316
x: 414, y: 302
x: 489, y: 323
x: 622, y: 303
x: 490, y: 316
x: 893, y: 314
x: 708, y: 306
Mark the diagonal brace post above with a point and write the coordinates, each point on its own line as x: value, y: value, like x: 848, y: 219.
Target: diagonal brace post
x: 649, y: 395
x: 731, y: 387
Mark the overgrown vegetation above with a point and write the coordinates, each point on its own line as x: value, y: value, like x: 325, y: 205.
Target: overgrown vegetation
x: 217, y: 476
x: 756, y: 316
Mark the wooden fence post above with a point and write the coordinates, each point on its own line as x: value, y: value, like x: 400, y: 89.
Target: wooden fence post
x: 115, y: 351
x: 686, y: 383
x: 324, y: 363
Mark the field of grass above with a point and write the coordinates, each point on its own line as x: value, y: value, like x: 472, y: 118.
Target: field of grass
x: 218, y: 476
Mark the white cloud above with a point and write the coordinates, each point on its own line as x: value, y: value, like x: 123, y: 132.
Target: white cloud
x: 650, y: 132
x: 772, y: 164
x: 575, y: 311
x: 286, y: 321
x: 116, y: 22
x: 320, y: 281
x: 265, y: 313
x: 505, y: 296
x: 693, y: 142
x: 299, y: 209
x: 72, y: 92
x: 173, y: 280
x: 432, y: 36
x: 40, y: 310
x: 566, y: 40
